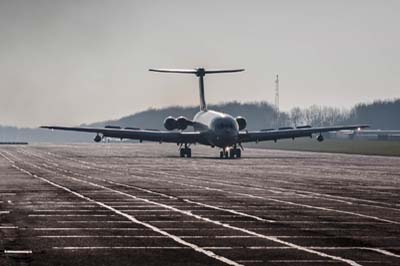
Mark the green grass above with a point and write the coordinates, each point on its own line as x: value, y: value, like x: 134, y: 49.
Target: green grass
x: 367, y: 147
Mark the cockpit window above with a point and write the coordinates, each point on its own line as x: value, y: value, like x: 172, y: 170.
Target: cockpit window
x: 222, y: 124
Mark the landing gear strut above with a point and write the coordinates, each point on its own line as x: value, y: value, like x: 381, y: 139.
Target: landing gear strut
x: 185, y: 152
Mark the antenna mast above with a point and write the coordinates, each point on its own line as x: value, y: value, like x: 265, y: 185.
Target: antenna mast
x: 277, y: 93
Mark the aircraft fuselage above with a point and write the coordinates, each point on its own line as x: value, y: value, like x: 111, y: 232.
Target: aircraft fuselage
x: 218, y: 129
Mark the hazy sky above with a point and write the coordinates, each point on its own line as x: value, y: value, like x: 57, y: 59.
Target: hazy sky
x: 70, y: 62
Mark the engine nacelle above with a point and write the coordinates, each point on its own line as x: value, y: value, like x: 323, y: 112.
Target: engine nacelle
x: 182, y: 123
x: 320, y: 138
x: 241, y: 122
x: 97, y: 138
x: 170, y: 123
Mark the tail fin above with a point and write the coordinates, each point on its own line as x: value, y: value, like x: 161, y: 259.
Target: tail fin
x: 200, y: 73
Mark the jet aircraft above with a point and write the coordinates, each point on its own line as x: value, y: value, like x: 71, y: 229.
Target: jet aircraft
x: 212, y: 128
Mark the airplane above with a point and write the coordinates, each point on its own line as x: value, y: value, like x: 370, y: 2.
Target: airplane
x: 212, y: 128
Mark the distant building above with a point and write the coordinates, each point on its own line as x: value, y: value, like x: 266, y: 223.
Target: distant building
x: 369, y: 134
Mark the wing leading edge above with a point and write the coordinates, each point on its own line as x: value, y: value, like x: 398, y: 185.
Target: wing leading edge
x: 255, y: 136
x: 138, y: 134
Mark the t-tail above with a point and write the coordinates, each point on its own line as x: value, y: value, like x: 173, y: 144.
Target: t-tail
x: 200, y: 73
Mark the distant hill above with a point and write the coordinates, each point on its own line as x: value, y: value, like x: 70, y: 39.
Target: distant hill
x: 379, y: 114
x: 258, y: 115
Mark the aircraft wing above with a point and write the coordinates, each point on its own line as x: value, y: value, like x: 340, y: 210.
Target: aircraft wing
x: 288, y: 133
x: 139, y: 134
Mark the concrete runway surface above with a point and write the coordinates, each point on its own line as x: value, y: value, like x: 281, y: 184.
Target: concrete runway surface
x: 140, y: 204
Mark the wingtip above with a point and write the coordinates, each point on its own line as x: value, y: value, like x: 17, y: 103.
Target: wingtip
x: 46, y: 127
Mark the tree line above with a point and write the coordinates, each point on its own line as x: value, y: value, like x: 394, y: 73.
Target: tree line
x: 378, y: 114
x: 259, y: 115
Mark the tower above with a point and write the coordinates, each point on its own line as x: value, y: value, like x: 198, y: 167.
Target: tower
x: 277, y: 93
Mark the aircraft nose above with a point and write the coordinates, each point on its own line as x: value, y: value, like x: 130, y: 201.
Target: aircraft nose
x: 227, y: 138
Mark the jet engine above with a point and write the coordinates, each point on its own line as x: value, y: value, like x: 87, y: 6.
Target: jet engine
x: 320, y: 138
x: 170, y: 123
x: 241, y: 122
x: 97, y: 138
x: 182, y: 123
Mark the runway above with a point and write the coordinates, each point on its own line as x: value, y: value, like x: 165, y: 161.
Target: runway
x: 141, y: 204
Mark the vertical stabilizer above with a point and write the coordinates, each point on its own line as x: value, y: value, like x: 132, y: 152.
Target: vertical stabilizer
x: 203, y: 105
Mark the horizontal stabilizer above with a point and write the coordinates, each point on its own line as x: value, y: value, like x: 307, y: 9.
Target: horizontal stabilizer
x: 197, y: 71
x: 181, y: 71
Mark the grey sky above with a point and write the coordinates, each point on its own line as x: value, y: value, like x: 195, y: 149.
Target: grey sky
x: 69, y: 62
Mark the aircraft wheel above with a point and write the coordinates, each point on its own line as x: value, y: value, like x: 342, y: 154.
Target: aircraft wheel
x: 238, y: 153
x: 186, y: 152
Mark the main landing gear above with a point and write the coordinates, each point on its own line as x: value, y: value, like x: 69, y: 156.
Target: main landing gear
x: 185, y: 151
x: 230, y: 153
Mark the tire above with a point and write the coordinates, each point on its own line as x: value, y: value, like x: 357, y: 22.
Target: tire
x: 238, y: 153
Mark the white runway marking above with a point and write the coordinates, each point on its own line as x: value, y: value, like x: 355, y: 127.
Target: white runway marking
x: 71, y: 215
x: 73, y: 210
x: 4, y: 212
x: 9, y: 227
x: 131, y: 218
x: 17, y: 251
x: 127, y: 247
x: 321, y: 262
x: 99, y: 236
x: 93, y: 221
x: 382, y: 251
x: 378, y: 250
x: 250, y: 261
x: 86, y: 229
